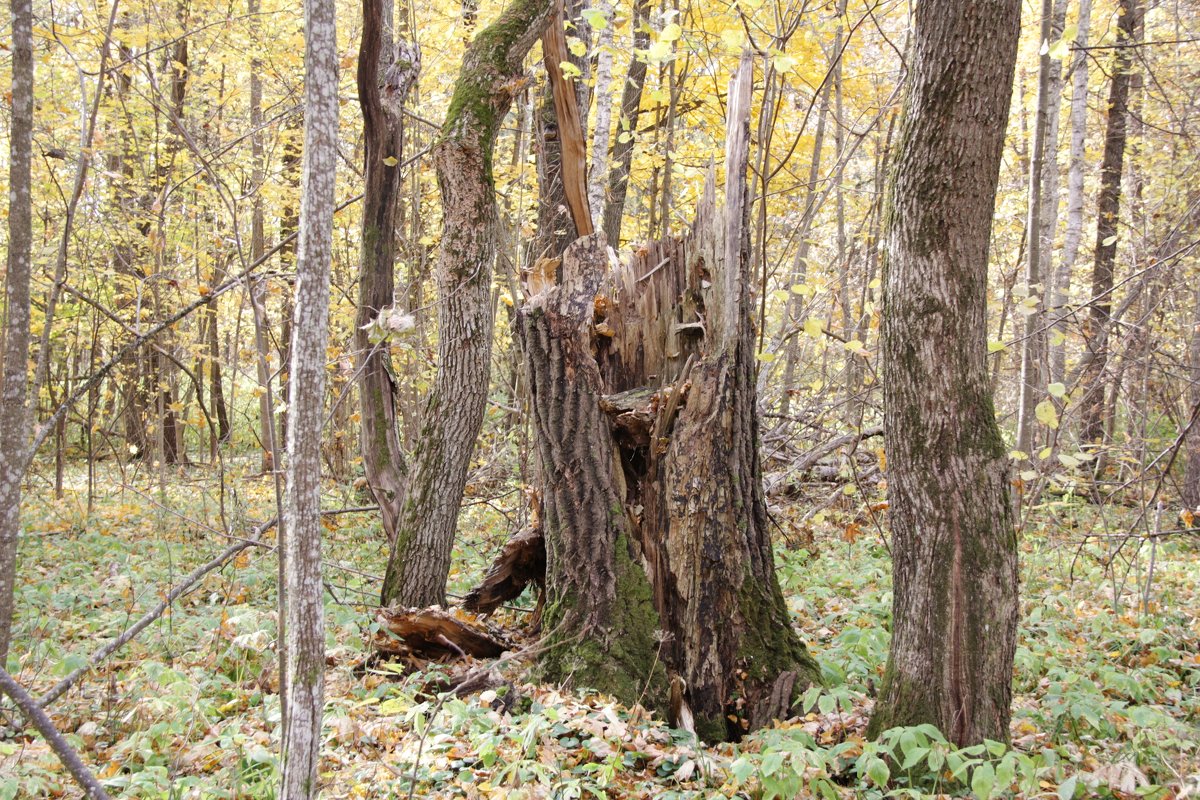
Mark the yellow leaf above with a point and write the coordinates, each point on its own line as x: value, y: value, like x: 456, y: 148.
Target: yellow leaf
x: 813, y: 327
x: 1046, y: 414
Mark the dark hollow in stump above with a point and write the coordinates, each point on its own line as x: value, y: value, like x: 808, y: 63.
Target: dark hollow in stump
x: 659, y: 564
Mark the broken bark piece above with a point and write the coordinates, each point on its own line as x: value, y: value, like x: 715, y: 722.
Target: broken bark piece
x: 521, y: 561
x: 433, y: 633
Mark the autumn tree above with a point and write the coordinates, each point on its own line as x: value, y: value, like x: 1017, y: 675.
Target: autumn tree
x: 15, y: 367
x: 385, y: 76
x: 954, y: 547
x: 453, y: 415
x: 1097, y: 325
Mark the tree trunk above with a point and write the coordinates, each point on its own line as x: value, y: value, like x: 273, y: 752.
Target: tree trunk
x: 647, y: 438
x: 14, y: 417
x: 631, y: 104
x: 954, y: 547
x: 602, y: 134
x: 383, y: 458
x: 1033, y: 340
x: 1108, y: 212
x: 1191, y: 479
x: 1073, y: 231
x: 304, y: 644
x: 420, y: 558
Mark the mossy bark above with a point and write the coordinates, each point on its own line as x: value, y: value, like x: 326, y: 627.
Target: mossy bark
x: 420, y: 559
x: 954, y: 546
x: 658, y: 556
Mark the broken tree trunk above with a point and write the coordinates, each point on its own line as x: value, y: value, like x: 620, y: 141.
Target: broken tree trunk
x: 521, y: 561
x: 432, y: 633
x: 658, y: 556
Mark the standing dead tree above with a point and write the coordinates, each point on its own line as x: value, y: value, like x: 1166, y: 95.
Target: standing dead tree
x: 659, y: 565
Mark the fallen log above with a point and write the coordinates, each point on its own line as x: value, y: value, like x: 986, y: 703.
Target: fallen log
x: 432, y: 633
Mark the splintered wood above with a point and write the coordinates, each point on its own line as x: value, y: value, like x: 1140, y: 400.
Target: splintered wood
x: 434, y: 634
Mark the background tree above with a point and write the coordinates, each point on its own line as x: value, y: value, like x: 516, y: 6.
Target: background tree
x: 1098, y: 326
x: 14, y: 419
x: 954, y: 613
x: 302, y: 596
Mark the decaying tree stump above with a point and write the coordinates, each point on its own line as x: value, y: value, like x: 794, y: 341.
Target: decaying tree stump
x: 659, y: 565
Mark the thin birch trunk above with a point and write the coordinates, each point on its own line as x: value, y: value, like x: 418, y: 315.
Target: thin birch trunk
x: 1032, y: 339
x: 304, y: 646
x: 1073, y: 233
x: 598, y: 177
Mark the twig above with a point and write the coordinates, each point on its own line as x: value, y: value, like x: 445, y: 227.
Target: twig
x: 66, y: 754
x: 153, y: 614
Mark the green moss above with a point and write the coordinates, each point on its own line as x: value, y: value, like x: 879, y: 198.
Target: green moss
x: 770, y: 645
x: 621, y: 658
x: 480, y: 96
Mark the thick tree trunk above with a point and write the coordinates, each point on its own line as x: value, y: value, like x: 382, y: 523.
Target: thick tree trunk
x: 420, y: 558
x: 654, y: 516
x: 954, y: 546
x: 1108, y: 212
x: 383, y: 132
x: 14, y: 416
x: 301, y: 535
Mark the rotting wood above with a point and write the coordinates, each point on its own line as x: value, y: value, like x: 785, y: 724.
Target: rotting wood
x: 570, y: 128
x: 659, y: 565
x: 433, y: 633
x: 521, y: 562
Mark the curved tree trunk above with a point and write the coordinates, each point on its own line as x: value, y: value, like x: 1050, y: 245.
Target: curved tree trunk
x: 955, y: 550
x: 420, y: 559
x: 659, y: 563
x: 383, y: 459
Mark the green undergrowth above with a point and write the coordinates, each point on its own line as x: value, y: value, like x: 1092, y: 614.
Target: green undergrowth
x: 1107, y: 683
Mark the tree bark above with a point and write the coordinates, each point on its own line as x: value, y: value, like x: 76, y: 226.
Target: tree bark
x: 383, y: 133
x: 602, y: 133
x: 654, y: 516
x: 420, y: 558
x: 1073, y: 230
x: 1191, y: 478
x: 14, y: 415
x: 305, y: 641
x: 1095, y: 329
x: 954, y: 547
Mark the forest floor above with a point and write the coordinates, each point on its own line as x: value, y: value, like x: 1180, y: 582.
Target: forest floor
x: 1107, y: 687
